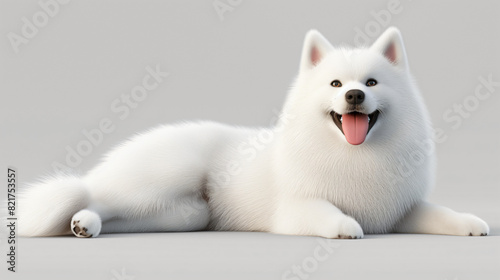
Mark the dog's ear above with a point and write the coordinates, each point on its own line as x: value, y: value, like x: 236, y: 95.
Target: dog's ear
x: 390, y: 44
x: 314, y: 50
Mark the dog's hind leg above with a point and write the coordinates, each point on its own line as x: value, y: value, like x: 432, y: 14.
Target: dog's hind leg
x: 190, y: 213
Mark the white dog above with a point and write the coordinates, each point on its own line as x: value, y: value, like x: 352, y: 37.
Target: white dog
x: 352, y: 154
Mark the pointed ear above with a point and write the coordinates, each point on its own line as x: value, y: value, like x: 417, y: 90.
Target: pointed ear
x: 390, y: 44
x: 314, y: 50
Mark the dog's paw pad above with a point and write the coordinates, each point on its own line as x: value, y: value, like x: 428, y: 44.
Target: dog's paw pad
x: 347, y: 237
x: 86, y: 223
x: 79, y: 231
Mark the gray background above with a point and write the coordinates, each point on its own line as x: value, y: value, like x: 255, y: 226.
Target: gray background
x: 237, y: 70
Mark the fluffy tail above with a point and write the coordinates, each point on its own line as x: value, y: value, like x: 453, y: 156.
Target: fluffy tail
x: 46, y: 208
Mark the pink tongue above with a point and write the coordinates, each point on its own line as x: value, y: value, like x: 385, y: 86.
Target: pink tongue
x: 355, y: 127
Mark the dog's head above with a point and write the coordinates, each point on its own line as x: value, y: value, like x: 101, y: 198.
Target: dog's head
x: 354, y: 91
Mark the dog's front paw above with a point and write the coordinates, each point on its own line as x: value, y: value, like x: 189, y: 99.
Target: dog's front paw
x: 86, y: 224
x: 348, y: 228
x: 473, y: 226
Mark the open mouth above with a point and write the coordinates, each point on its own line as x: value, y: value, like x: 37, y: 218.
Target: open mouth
x: 355, y: 126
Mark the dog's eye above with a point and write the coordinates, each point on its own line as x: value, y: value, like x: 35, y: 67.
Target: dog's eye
x: 371, y: 82
x: 336, y: 83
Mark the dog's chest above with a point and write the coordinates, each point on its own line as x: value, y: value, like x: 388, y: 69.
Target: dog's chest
x: 371, y: 191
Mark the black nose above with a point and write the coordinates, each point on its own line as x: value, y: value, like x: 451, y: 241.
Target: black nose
x: 355, y: 96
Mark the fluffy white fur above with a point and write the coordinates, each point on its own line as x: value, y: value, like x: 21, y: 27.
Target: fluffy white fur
x: 303, y: 178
